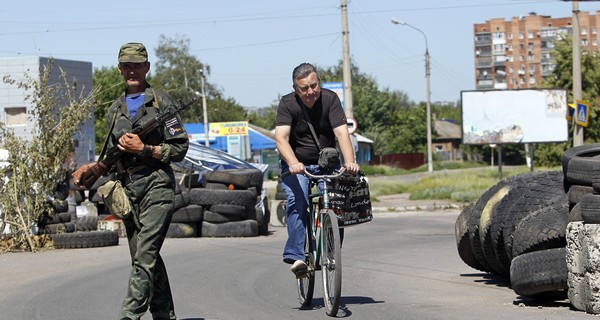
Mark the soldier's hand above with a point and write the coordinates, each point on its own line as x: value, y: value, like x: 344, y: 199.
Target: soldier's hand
x: 76, y: 175
x: 130, y: 142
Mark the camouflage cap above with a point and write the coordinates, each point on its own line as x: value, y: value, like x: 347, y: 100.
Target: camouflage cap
x: 133, y: 52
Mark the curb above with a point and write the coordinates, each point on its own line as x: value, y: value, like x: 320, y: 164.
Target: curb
x: 431, y: 207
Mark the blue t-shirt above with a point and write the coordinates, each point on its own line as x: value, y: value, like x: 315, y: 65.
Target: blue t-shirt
x: 133, y: 102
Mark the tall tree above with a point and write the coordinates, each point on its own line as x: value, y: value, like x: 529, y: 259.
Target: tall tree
x: 550, y: 154
x: 378, y: 113
x: 178, y: 73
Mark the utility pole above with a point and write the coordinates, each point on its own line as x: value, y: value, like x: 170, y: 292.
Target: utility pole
x: 346, y: 71
x: 428, y: 91
x: 204, y: 111
x: 577, y: 129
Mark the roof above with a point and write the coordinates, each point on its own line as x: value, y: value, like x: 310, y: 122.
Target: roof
x: 447, y: 130
x: 260, y: 139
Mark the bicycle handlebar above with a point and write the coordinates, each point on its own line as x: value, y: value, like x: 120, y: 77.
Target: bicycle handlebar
x: 318, y: 176
x: 325, y: 176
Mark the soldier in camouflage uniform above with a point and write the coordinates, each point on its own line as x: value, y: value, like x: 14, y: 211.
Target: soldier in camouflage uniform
x: 145, y: 171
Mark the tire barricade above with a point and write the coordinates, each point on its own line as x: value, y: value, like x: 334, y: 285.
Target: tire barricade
x: 224, y: 203
x: 544, y: 228
x: 517, y: 229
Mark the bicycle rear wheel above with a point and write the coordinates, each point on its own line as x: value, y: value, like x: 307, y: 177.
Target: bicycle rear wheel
x: 331, y: 263
x: 306, y: 285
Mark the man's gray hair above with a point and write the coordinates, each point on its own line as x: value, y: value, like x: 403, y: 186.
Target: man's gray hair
x: 302, y: 71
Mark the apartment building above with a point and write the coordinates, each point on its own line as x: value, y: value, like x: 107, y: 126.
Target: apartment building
x: 516, y: 54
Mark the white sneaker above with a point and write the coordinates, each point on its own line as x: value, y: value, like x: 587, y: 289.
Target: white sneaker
x: 299, y: 268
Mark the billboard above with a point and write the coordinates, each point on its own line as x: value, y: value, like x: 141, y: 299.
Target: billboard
x: 514, y: 116
x: 337, y: 87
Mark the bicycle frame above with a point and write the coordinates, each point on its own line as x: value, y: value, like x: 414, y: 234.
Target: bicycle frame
x: 315, y: 226
x: 323, y: 247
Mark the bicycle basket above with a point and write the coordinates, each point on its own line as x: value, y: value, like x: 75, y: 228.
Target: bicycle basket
x: 350, y: 199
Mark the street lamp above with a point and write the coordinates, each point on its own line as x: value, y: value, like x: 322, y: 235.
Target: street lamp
x: 202, y: 79
x: 427, y: 76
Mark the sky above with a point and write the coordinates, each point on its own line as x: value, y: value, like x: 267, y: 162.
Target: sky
x: 253, y: 46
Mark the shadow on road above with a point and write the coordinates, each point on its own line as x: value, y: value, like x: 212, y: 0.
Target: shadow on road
x: 556, y: 300
x: 489, y: 279
x: 346, y: 301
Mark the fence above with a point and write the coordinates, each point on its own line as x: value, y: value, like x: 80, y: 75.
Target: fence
x: 404, y: 160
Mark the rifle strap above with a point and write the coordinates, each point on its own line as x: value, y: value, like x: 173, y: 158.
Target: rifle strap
x: 154, y: 100
x: 112, y: 125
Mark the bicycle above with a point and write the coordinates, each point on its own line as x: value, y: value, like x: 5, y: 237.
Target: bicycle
x: 322, y: 247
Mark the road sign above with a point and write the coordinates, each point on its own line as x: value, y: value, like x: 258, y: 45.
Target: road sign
x: 570, y: 111
x: 352, y: 125
x: 582, y: 114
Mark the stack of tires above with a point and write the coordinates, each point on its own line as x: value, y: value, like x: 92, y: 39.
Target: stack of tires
x: 57, y: 218
x: 517, y: 230
x: 85, y: 233
x: 223, y: 203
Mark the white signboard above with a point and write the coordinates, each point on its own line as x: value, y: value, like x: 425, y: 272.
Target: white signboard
x: 514, y: 116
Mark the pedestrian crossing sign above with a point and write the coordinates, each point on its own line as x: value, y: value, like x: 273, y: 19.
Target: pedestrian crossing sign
x: 582, y: 113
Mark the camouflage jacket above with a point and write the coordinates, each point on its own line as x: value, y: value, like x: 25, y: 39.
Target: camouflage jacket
x: 171, y: 137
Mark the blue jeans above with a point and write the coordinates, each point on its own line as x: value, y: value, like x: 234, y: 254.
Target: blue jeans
x: 296, y: 189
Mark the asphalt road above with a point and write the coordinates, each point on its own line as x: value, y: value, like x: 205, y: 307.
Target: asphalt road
x: 402, y: 265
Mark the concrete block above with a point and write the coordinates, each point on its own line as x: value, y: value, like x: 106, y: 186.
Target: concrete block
x: 574, y: 242
x: 590, y: 248
x: 591, y: 292
x: 576, y: 292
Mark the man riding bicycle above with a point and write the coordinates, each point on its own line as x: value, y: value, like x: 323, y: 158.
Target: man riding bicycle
x: 299, y: 151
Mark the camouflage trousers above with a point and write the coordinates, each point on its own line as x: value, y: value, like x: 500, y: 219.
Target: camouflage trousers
x: 152, y: 198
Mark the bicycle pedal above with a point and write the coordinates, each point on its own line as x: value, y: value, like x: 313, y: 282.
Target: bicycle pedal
x: 302, y: 274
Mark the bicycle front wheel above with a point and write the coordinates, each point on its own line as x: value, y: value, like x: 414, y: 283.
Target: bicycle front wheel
x: 331, y: 263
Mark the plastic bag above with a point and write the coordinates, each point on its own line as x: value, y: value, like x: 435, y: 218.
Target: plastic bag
x: 350, y: 199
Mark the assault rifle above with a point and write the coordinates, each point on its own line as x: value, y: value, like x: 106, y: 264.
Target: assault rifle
x: 89, y: 177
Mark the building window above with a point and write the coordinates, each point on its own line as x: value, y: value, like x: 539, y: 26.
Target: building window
x: 584, y: 42
x: 510, y: 36
x: 15, y: 116
x: 584, y: 31
x: 531, y: 80
x: 531, y: 57
x: 521, y: 36
x: 499, y: 49
x: 594, y: 30
x: 532, y: 69
x: 498, y: 35
x: 529, y: 35
x: 510, y: 70
x: 595, y: 42
x: 521, y: 58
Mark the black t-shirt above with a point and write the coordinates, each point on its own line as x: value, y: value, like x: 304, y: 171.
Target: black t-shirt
x: 325, y: 115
